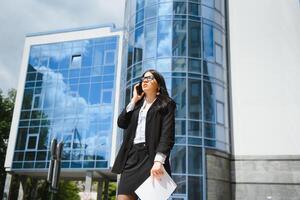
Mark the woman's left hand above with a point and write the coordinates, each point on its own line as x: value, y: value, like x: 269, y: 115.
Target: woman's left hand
x: 157, y: 170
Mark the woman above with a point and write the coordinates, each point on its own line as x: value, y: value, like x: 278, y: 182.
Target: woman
x: 149, y: 121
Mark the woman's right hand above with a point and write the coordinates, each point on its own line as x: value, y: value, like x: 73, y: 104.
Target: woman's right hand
x: 136, y: 97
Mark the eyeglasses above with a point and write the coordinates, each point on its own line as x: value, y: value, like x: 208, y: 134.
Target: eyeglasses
x: 147, y: 78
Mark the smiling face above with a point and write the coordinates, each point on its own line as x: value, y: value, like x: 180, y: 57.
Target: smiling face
x: 149, y: 84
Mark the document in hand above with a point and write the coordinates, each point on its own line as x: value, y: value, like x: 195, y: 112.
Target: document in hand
x: 153, y: 189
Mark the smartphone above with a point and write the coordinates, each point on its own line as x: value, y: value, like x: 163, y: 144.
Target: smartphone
x: 139, y: 89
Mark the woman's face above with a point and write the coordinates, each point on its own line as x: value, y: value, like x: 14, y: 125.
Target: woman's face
x: 149, y: 84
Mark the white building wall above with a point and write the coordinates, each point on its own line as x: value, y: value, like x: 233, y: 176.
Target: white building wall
x: 265, y: 73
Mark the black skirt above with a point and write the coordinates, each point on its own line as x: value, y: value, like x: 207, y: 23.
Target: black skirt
x: 136, y: 170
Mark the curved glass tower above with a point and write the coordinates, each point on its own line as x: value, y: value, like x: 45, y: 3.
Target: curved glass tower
x: 185, y: 41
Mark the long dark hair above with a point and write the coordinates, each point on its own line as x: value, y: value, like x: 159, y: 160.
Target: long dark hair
x: 163, y: 92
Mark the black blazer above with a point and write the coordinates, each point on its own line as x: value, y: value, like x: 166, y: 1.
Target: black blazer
x: 160, y: 132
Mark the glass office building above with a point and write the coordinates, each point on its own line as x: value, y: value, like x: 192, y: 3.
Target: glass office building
x: 68, y: 95
x: 186, y: 42
x: 68, y: 90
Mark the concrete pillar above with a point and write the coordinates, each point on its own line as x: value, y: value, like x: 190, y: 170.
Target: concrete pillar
x: 8, y: 181
x: 100, y: 189
x: 88, y: 183
x: 106, y: 189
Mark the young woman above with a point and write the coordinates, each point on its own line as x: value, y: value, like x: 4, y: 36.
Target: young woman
x: 149, y: 121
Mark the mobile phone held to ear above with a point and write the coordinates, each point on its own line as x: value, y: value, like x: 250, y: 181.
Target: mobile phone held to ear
x: 139, y: 89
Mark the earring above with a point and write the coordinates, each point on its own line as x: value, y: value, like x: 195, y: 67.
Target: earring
x: 157, y: 93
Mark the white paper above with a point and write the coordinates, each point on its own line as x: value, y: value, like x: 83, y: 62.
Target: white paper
x: 153, y: 189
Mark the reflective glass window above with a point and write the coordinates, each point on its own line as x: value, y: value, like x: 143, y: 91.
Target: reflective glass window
x: 165, y: 8
x: 208, y: 2
x: 139, y: 16
x: 194, y: 39
x: 195, y: 192
x: 179, y: 95
x: 106, y: 96
x: 195, y: 101
x: 164, y: 38
x: 179, y: 38
x: 21, y: 139
x: 180, y: 127
x: 19, y: 156
x: 76, y: 61
x: 178, y: 159
x: 27, y: 99
x: 180, y: 180
x: 31, y: 142
x: 194, y: 128
x: 220, y: 112
x: 179, y: 64
x: 208, y: 41
x: 150, y: 11
x: 140, y: 4
x: 98, y: 55
x: 87, y: 56
x: 209, y: 130
x: 109, y: 57
x: 219, y: 54
x: 218, y: 4
x: 195, y: 160
x: 129, y: 55
x: 194, y: 65
x: 43, y: 138
x: 209, y: 101
x: 194, y: 9
x: 164, y: 65
x: 179, y: 8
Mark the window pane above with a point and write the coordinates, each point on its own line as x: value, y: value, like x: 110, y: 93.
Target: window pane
x: 179, y: 64
x: 164, y: 38
x: 208, y: 41
x: 109, y: 57
x: 76, y: 61
x: 165, y: 9
x: 194, y: 39
x: 195, y: 110
x: 43, y: 138
x: 209, y: 130
x: 180, y: 180
x: 219, y: 54
x: 195, y: 160
x: 194, y: 128
x: 27, y: 99
x: 209, y: 101
x: 150, y: 11
x: 19, y: 156
x: 179, y: 95
x: 178, y: 159
x: 220, y: 112
x: 179, y: 38
x: 99, y: 55
x: 194, y: 65
x: 179, y: 8
x: 31, y: 142
x: 195, y: 192
x: 180, y: 127
x: 164, y: 65
x: 21, y: 140
x: 106, y: 96
x: 194, y: 9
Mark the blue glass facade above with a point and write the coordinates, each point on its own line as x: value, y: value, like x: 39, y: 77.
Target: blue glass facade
x: 185, y: 41
x: 69, y: 95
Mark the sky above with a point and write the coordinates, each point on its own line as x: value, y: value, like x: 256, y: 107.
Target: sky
x: 19, y: 17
